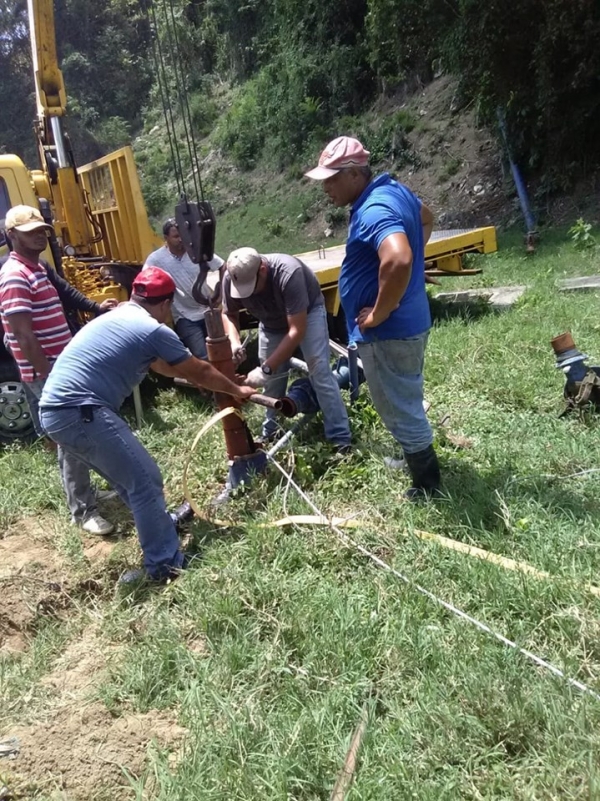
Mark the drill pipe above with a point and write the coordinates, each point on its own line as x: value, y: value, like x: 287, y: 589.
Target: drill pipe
x: 238, y: 439
x: 284, y: 405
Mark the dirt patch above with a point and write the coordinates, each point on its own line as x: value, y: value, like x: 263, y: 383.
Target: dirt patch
x: 30, y: 582
x: 79, y: 747
x: 96, y: 549
x: 459, y: 170
x: 83, y: 751
x: 77, y: 671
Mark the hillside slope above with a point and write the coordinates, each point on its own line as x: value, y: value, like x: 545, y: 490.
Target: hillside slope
x: 454, y: 164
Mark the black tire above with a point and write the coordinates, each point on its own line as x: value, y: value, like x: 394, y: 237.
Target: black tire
x: 337, y: 327
x: 16, y: 424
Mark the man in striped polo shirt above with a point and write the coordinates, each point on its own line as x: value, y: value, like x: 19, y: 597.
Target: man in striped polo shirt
x: 36, y: 332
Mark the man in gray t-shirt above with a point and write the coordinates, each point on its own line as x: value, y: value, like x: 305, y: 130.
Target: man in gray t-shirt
x: 285, y: 297
x: 188, y: 314
x: 79, y: 407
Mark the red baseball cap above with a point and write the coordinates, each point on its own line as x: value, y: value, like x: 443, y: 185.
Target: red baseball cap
x: 340, y: 153
x: 152, y: 282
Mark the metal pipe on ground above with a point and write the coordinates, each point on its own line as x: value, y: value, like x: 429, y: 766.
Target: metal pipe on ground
x: 353, y: 368
x: 343, y: 351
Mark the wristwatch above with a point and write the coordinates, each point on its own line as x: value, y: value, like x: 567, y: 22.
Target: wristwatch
x: 266, y: 369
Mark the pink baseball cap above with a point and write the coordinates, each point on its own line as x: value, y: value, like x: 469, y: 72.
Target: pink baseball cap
x: 341, y: 152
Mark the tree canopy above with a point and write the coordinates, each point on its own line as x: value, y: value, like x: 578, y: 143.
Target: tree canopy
x: 303, y: 70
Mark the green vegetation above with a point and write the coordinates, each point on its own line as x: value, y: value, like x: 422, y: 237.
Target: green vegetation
x: 302, y: 72
x: 268, y: 647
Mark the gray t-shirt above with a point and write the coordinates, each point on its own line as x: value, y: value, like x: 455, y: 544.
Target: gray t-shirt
x: 109, y: 357
x: 184, y: 272
x: 291, y: 288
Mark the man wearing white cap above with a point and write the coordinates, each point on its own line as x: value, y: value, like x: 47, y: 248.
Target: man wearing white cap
x: 382, y: 289
x: 284, y: 295
x: 36, y: 333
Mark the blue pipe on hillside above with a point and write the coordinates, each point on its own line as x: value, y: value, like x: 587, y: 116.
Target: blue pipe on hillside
x: 517, y: 178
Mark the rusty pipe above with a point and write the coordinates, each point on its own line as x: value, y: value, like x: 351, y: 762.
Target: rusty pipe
x: 238, y: 438
x: 286, y: 406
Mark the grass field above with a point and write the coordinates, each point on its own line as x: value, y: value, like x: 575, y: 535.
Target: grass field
x: 250, y: 673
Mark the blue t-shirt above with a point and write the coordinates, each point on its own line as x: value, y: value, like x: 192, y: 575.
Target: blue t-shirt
x: 385, y: 207
x: 109, y: 357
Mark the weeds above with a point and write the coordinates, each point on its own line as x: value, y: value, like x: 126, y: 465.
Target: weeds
x: 267, y: 649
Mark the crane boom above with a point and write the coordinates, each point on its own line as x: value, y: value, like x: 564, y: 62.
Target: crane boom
x: 51, y: 96
x: 72, y: 219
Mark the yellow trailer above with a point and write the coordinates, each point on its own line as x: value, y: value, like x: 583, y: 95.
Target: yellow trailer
x: 443, y: 256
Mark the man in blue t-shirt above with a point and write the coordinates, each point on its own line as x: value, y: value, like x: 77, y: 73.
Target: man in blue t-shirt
x: 382, y: 289
x: 98, y: 369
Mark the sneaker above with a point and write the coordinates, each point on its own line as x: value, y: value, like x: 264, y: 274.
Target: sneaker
x: 343, y: 450
x: 96, y: 524
x: 182, y: 515
x: 395, y: 464
x: 140, y: 576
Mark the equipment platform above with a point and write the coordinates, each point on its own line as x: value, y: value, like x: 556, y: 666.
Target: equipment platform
x: 443, y: 256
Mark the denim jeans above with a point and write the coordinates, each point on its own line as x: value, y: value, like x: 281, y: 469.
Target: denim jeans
x: 193, y: 335
x: 75, y: 476
x: 315, y: 349
x: 394, y: 372
x: 108, y: 445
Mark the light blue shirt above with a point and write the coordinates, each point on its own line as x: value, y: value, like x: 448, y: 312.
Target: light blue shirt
x: 104, y: 361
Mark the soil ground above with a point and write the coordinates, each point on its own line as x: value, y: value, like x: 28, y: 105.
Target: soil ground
x: 69, y: 742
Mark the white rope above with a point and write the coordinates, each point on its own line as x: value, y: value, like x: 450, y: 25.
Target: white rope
x: 349, y: 542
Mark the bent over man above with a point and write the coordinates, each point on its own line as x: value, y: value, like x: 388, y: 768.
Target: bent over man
x: 80, y: 403
x: 382, y: 289
x: 285, y: 297
x: 36, y: 332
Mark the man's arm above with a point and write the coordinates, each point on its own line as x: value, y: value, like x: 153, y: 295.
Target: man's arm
x: 202, y: 374
x: 231, y: 323
x: 395, y: 268
x: 426, y: 222
x: 22, y: 329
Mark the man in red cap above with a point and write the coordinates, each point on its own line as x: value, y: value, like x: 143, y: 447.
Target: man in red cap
x: 79, y: 407
x: 382, y: 289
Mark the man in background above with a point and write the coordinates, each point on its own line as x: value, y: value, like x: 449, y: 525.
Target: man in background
x: 382, y: 289
x: 36, y: 332
x: 188, y: 314
x: 285, y: 297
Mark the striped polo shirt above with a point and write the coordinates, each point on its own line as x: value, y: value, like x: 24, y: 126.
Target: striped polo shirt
x: 25, y: 287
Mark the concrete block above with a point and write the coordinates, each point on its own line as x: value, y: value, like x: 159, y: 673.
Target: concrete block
x: 499, y: 297
x: 586, y: 283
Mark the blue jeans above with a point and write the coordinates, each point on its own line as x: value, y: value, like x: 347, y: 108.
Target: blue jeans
x: 315, y: 349
x: 193, y: 335
x: 394, y: 372
x: 75, y: 476
x: 108, y: 445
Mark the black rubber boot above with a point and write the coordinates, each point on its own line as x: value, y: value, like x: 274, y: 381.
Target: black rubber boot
x: 425, y: 473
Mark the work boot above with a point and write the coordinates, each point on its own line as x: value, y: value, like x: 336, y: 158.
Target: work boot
x: 182, y: 515
x: 425, y: 473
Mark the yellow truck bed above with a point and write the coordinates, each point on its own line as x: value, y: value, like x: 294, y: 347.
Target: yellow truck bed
x: 443, y: 256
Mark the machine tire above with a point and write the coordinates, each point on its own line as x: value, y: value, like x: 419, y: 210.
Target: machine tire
x: 15, y: 419
x: 337, y: 327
